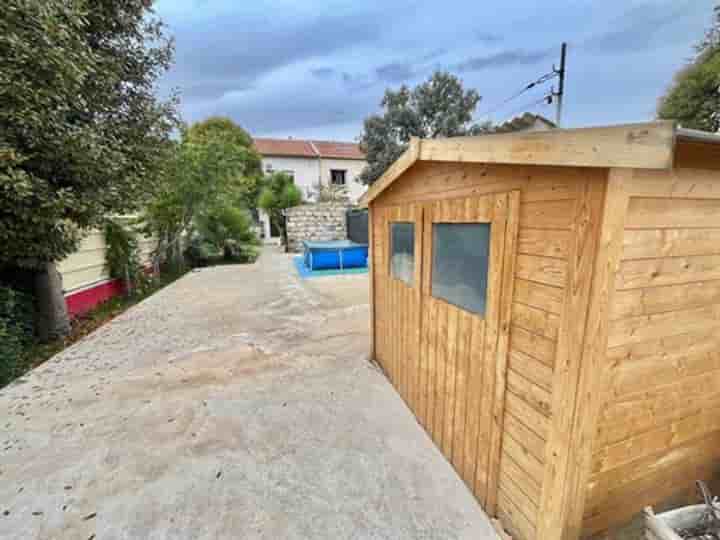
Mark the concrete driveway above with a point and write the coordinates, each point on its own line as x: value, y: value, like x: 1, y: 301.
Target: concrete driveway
x: 236, y: 403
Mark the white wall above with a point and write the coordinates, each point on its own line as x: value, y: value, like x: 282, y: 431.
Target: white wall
x: 353, y: 167
x: 307, y: 170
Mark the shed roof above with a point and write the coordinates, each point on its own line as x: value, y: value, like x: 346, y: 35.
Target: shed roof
x: 642, y: 146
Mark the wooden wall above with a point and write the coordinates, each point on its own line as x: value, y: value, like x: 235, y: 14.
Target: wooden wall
x: 552, y: 277
x: 658, y: 425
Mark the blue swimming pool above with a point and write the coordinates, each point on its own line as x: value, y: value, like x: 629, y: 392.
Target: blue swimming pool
x: 336, y: 254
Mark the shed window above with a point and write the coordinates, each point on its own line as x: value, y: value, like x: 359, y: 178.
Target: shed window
x: 460, y: 264
x: 402, y: 249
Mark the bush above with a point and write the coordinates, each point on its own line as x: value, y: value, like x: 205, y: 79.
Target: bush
x: 224, y: 234
x: 16, y: 332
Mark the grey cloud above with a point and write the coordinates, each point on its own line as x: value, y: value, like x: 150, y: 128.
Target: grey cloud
x: 323, y: 72
x: 502, y: 59
x: 642, y: 28
x: 226, y: 54
x: 395, y: 72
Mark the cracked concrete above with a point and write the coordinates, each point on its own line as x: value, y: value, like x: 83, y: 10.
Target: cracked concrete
x: 236, y: 403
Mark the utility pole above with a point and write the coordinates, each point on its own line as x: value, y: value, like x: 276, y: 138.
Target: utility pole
x: 561, y: 87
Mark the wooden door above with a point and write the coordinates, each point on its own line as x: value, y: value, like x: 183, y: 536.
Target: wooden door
x: 462, y: 347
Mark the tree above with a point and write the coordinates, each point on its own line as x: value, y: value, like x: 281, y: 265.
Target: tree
x: 694, y: 96
x: 279, y: 194
x: 439, y: 107
x: 204, y: 173
x: 82, y: 133
x: 248, y: 181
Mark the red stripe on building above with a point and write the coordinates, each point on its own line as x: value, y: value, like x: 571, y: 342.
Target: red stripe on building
x: 81, y: 302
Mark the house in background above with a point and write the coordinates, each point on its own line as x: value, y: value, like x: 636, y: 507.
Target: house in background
x: 311, y: 163
x: 526, y: 122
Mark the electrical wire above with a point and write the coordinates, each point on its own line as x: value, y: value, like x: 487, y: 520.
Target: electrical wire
x: 542, y: 79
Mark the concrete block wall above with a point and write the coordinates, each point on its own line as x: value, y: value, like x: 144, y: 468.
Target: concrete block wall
x: 315, y: 222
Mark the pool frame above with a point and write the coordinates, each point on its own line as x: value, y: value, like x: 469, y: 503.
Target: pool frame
x: 333, y: 256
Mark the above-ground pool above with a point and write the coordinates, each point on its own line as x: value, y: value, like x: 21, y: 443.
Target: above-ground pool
x: 338, y: 254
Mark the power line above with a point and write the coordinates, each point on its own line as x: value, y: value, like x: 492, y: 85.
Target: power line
x: 553, y: 96
x: 527, y: 87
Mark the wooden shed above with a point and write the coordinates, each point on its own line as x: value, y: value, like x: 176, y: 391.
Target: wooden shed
x: 548, y: 305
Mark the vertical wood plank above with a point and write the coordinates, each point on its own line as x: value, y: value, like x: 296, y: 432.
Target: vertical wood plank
x: 497, y: 250
x: 475, y: 391
x: 560, y: 452
x: 450, y: 379
x: 371, y: 285
x: 589, y: 401
x: 501, y: 358
x: 427, y: 326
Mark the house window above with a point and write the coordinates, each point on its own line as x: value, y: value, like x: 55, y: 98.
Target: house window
x: 402, y: 249
x: 269, y: 168
x: 337, y: 177
x: 460, y: 264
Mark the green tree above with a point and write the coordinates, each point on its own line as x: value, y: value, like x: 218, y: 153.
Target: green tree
x: 439, y: 107
x: 82, y: 133
x: 279, y: 194
x: 693, y: 99
x: 248, y: 181
x: 203, y: 174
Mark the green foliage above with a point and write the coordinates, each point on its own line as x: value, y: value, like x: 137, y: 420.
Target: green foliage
x: 16, y: 332
x: 213, y: 167
x: 279, y: 193
x: 223, y: 234
x: 694, y: 97
x: 82, y: 133
x: 439, y: 107
x: 122, y: 257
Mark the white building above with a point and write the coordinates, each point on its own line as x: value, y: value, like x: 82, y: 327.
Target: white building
x: 311, y: 163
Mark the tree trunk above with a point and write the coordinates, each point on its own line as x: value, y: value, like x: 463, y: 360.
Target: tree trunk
x: 53, y: 320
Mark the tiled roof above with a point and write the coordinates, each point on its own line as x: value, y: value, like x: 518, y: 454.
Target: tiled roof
x: 284, y: 147
x: 303, y: 148
x: 341, y: 150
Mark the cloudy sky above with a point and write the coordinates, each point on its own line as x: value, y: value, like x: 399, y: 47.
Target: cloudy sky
x: 316, y: 68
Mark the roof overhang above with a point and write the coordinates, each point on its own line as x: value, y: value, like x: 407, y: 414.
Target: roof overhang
x: 640, y: 146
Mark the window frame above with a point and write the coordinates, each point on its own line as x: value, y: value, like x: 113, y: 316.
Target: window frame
x: 344, y: 177
x: 431, y: 270
x: 412, y: 283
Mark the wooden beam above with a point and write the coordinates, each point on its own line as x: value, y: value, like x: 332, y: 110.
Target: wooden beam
x: 644, y: 146
x: 372, y: 267
x: 591, y: 381
x: 569, y: 362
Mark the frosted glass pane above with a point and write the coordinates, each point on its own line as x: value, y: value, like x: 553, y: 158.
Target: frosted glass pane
x: 402, y: 259
x: 460, y: 264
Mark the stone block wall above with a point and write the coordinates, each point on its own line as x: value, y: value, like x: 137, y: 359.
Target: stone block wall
x: 316, y: 222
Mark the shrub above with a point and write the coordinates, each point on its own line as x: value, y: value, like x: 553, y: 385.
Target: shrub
x: 16, y: 332
x: 223, y: 233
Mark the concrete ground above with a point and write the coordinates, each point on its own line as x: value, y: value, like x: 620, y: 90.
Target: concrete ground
x: 236, y: 403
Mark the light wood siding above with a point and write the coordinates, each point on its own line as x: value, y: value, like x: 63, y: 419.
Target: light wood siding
x: 550, y: 234
x: 86, y: 267
x: 659, y: 427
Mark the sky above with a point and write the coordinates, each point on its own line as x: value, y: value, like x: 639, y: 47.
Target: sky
x: 316, y: 69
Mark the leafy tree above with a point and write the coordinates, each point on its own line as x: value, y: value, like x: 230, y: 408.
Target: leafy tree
x: 439, y: 107
x: 203, y: 174
x: 694, y: 97
x: 279, y: 194
x: 82, y: 133
x: 248, y: 181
